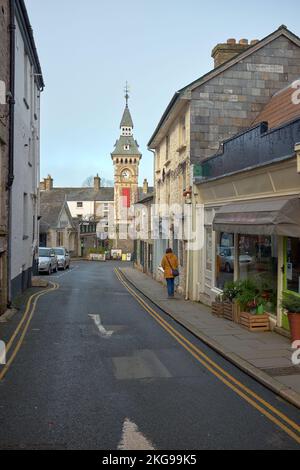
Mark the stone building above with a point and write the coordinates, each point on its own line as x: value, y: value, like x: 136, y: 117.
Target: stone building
x: 24, y: 202
x: 57, y: 227
x: 249, y: 199
x: 4, y: 148
x: 211, y: 109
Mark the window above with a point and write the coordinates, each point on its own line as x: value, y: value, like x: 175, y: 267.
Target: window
x: 26, y: 80
x: 293, y: 265
x: 258, y: 260
x: 79, y: 204
x: 167, y: 147
x: 182, y: 132
x: 208, y: 247
x: 225, y: 259
x: 25, y: 216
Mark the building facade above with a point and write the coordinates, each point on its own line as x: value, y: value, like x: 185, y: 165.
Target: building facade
x: 4, y: 148
x: 57, y: 227
x: 248, y: 198
x: 206, y: 112
x: 28, y: 85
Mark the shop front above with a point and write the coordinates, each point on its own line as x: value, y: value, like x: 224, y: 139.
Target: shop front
x: 259, y: 240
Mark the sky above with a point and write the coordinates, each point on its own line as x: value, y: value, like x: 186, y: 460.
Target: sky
x: 88, y: 50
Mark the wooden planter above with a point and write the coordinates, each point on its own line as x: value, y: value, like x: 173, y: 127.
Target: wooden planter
x: 232, y: 312
x: 217, y: 309
x: 257, y: 323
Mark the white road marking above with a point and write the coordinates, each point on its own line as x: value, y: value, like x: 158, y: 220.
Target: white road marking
x: 66, y: 272
x: 133, y: 439
x: 103, y: 331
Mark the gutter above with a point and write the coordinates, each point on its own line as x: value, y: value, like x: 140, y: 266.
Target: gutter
x: 10, y: 180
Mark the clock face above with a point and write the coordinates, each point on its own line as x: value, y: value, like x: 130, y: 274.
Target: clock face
x: 125, y: 174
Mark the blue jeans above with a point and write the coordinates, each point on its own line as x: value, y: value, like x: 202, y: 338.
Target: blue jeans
x: 171, y: 287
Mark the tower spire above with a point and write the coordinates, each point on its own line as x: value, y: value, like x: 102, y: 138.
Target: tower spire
x: 127, y: 90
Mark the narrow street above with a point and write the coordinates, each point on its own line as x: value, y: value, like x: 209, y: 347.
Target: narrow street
x: 101, y: 369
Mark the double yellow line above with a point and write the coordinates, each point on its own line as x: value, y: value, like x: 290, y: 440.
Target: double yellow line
x: 287, y: 425
x: 21, y: 330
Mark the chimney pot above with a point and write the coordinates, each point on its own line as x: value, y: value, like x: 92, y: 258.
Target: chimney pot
x: 244, y: 42
x: 231, y: 41
x: 254, y: 41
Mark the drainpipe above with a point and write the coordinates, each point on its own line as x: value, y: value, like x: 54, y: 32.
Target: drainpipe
x: 10, y: 180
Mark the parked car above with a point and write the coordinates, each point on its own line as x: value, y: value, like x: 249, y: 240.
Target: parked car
x: 227, y: 259
x: 47, y: 261
x: 63, y: 258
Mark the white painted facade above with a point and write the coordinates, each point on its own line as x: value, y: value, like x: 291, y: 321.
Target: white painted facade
x: 87, y: 209
x: 25, y: 194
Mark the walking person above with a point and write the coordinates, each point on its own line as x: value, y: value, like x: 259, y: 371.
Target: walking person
x: 170, y: 266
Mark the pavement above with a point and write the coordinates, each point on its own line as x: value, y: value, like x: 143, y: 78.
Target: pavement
x: 94, y: 365
x: 265, y: 356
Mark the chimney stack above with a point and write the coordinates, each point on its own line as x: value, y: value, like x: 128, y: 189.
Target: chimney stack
x: 42, y: 186
x: 48, y: 183
x: 224, y: 52
x: 97, y: 183
x: 145, y: 186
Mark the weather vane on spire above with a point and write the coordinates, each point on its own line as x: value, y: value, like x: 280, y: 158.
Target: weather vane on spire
x: 127, y: 91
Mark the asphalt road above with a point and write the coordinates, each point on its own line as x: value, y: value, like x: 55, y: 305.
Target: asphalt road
x: 97, y: 371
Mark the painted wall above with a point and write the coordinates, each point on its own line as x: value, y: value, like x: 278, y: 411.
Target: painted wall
x: 25, y: 202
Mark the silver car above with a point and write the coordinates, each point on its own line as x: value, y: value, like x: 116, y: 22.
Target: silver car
x: 63, y: 258
x: 47, y: 261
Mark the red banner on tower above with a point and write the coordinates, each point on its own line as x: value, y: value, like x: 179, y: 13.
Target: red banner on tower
x: 126, y: 197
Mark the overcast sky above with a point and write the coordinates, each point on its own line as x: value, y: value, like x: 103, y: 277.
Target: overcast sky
x: 89, y: 49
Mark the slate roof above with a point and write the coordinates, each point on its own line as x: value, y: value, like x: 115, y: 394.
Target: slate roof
x: 281, y: 109
x: 185, y: 91
x: 50, y: 210
x: 142, y: 197
x: 79, y: 194
x: 126, y: 119
x: 126, y: 140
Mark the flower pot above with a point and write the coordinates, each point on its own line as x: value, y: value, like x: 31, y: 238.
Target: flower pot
x: 294, y: 321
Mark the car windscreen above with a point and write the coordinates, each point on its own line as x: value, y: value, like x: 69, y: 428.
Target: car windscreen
x: 59, y: 251
x: 44, y: 253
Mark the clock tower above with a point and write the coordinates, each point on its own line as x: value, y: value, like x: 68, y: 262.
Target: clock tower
x: 126, y: 158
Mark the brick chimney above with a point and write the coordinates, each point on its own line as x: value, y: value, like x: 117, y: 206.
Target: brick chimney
x: 97, y: 183
x: 145, y: 186
x: 48, y: 182
x: 224, y: 52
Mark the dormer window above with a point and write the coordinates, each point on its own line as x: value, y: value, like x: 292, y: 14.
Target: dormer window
x: 127, y: 147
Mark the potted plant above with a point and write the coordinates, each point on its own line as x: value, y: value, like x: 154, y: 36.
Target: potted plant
x: 291, y: 303
x: 252, y: 306
x: 231, y: 307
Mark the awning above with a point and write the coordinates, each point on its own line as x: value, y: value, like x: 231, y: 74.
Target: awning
x: 268, y: 217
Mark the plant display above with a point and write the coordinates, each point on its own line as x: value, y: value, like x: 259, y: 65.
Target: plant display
x: 291, y: 303
x: 231, y: 291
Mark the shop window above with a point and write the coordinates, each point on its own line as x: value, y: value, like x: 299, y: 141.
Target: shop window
x: 225, y: 259
x: 258, y: 260
x: 208, y: 244
x: 293, y: 265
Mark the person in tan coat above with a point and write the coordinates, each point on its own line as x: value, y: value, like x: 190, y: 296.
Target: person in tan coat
x: 170, y: 265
